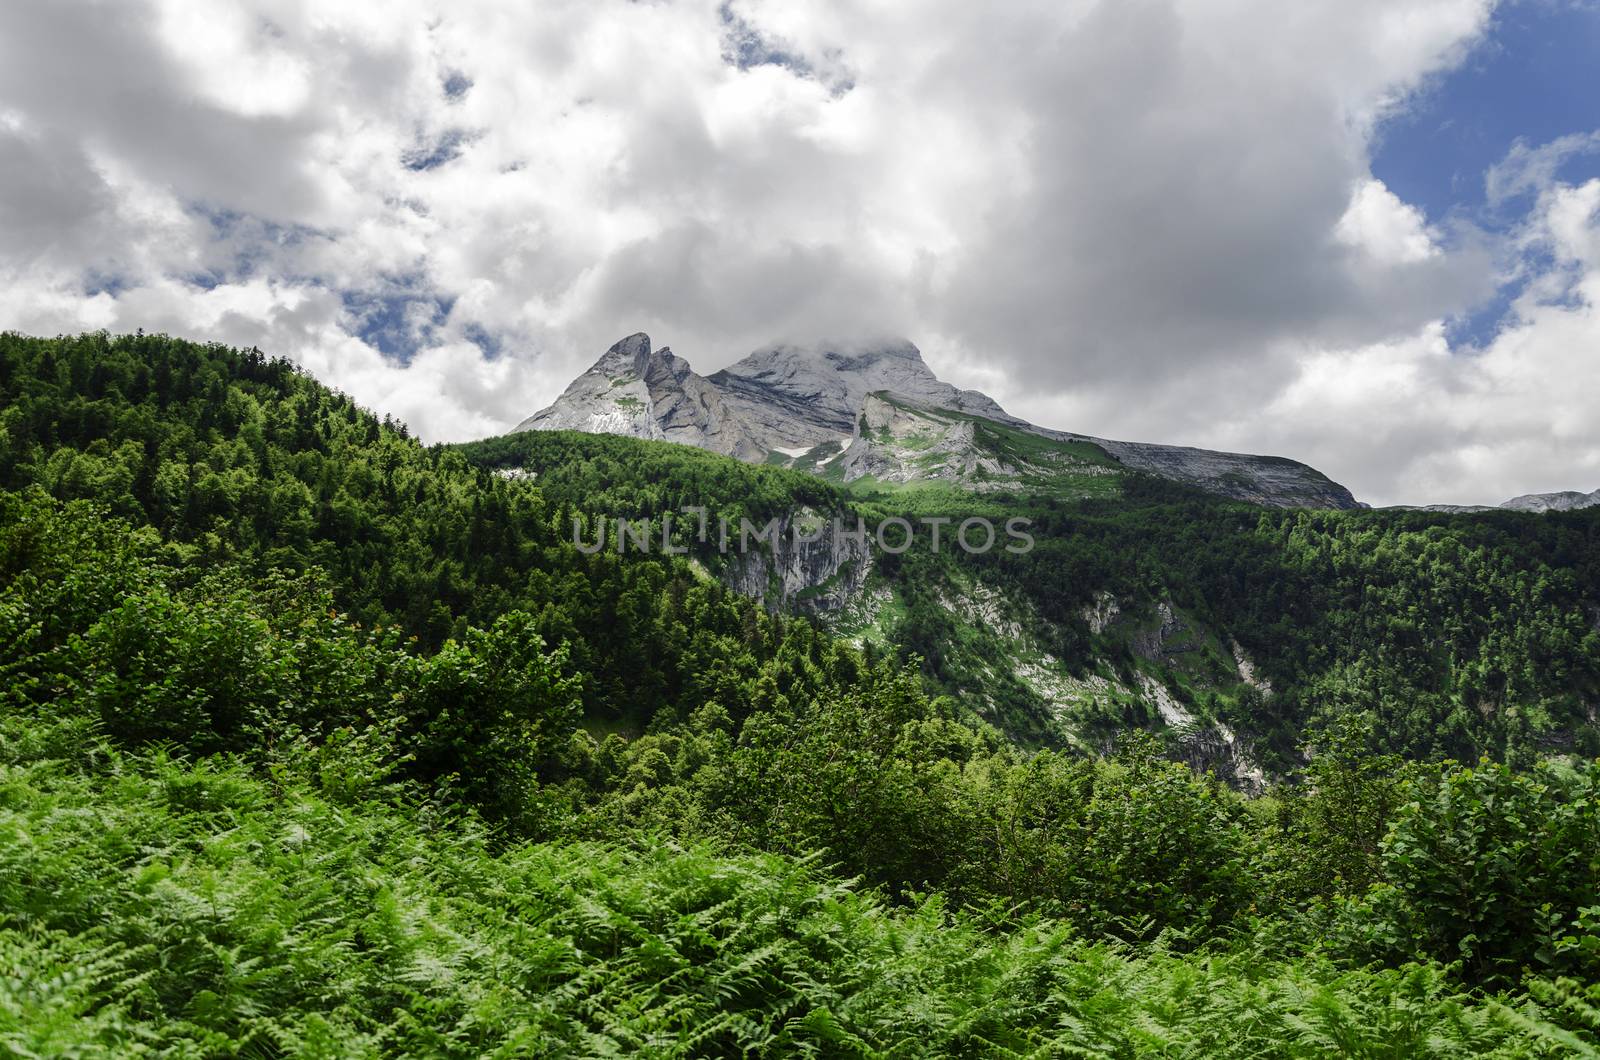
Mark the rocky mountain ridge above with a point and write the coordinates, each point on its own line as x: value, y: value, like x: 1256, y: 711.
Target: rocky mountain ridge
x: 1564, y: 501
x: 878, y: 411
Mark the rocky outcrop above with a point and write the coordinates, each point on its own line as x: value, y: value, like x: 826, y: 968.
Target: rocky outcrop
x: 1448, y: 509
x: 809, y: 567
x: 804, y: 396
x: 1217, y: 748
x: 901, y: 441
x: 641, y: 392
x: 1565, y: 501
x: 1169, y: 638
x: 1248, y: 673
x: 1099, y: 615
x: 808, y: 406
x: 610, y: 398
x: 1269, y: 480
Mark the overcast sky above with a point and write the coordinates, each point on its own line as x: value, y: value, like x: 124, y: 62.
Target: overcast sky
x: 1362, y: 233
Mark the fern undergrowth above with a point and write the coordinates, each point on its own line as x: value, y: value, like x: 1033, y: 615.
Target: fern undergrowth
x: 154, y: 905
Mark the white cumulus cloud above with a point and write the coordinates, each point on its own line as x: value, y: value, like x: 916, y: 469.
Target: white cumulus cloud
x: 1139, y: 218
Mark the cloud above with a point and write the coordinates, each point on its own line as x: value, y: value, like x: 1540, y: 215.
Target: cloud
x: 1530, y: 169
x: 1390, y: 232
x: 1141, y: 218
x: 1419, y: 422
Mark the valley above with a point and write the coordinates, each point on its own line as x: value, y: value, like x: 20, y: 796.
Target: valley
x: 318, y: 740
x: 1129, y: 613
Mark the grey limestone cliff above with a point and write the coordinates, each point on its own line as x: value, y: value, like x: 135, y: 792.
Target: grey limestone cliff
x: 1565, y: 501
x: 877, y: 409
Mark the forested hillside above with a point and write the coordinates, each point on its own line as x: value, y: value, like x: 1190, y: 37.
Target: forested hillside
x: 1460, y: 635
x: 237, y: 459
x: 317, y: 741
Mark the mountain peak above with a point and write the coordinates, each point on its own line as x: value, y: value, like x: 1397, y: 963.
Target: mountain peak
x: 902, y: 348
x: 789, y: 400
x: 835, y: 356
x: 625, y: 355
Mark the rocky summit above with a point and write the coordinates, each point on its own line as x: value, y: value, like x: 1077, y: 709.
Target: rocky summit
x: 876, y: 412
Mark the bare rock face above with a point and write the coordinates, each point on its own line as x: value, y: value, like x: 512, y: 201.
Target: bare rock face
x: 641, y: 392
x: 902, y: 441
x: 878, y: 410
x: 807, y: 395
x: 808, y: 567
x: 610, y: 398
x: 1273, y: 481
x: 1565, y: 501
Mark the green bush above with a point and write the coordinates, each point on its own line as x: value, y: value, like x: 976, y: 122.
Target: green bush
x: 1494, y: 869
x: 156, y: 906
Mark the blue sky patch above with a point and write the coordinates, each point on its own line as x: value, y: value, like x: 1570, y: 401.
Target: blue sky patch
x: 456, y: 86
x: 446, y: 148
x: 1535, y: 78
x: 482, y: 338
x: 398, y: 319
x: 745, y: 46
x: 96, y: 282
